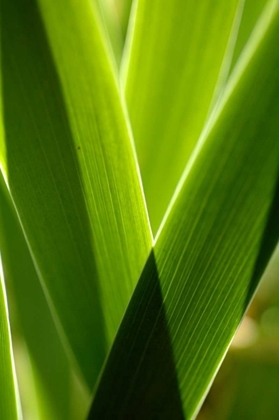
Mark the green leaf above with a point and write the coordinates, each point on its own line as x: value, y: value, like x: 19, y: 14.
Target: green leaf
x: 115, y: 17
x: 112, y: 28
x: 9, y: 398
x: 173, y: 70
x: 214, y: 244
x: 124, y: 10
x: 47, y: 355
x: 70, y: 167
x: 240, y: 389
x: 251, y: 12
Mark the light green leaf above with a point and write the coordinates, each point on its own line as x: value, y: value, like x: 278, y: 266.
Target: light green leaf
x: 124, y: 11
x: 215, y: 242
x: 251, y: 12
x: 9, y: 398
x: 71, y: 170
x: 179, y: 55
x: 115, y: 17
x: 112, y: 28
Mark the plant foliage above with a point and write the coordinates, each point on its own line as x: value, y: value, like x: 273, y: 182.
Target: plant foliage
x: 188, y: 123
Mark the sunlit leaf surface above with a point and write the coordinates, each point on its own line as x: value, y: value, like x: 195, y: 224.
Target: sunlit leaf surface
x: 210, y: 253
x: 251, y: 12
x: 48, y: 359
x: 9, y: 399
x: 71, y: 169
x: 172, y: 72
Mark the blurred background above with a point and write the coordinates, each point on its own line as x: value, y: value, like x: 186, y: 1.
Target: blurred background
x: 247, y: 384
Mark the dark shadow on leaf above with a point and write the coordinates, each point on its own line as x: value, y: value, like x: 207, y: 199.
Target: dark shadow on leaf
x: 32, y: 312
x: 44, y: 178
x: 139, y: 380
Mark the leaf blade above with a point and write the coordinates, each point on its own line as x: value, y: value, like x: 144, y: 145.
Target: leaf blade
x: 71, y: 169
x: 215, y: 243
x: 251, y: 14
x: 47, y: 355
x: 9, y: 401
x: 170, y: 76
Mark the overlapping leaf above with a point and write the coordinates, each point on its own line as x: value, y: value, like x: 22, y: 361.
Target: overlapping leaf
x: 178, y: 59
x: 124, y: 10
x: 115, y: 16
x: 251, y: 13
x: 70, y: 167
x: 48, y: 359
x: 9, y: 399
x: 112, y: 28
x: 217, y: 237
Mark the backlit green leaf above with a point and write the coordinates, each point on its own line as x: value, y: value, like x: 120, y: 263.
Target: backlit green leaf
x: 48, y: 359
x: 179, y: 54
x: 251, y: 12
x: 214, y: 244
x: 71, y: 171
x: 9, y: 399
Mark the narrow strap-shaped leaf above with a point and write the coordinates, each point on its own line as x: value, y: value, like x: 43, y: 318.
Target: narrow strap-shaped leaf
x: 124, y: 11
x: 251, y: 12
x: 215, y: 243
x: 171, y: 70
x: 71, y: 170
x: 9, y: 398
x: 112, y: 28
x: 115, y: 16
x: 48, y: 358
